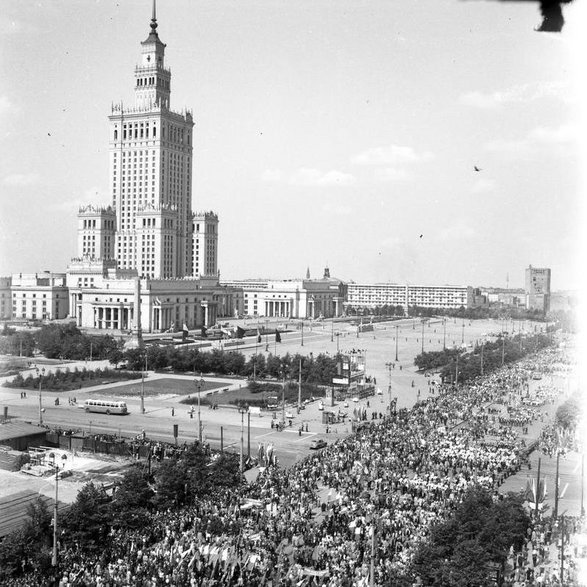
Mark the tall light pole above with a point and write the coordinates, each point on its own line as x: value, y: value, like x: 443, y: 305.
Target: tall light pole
x: 242, y: 411
x: 55, y: 511
x: 300, y: 387
x: 332, y: 331
x: 482, y: 347
x: 143, y: 385
x: 422, y: 335
x: 389, y: 366
x: 463, y: 335
x: 396, y: 338
x: 337, y: 343
x: 40, y: 375
x: 444, y: 333
x: 199, y: 385
x: 302, y: 332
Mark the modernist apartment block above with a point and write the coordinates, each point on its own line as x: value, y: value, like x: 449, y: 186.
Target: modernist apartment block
x: 538, y: 289
x: 360, y: 295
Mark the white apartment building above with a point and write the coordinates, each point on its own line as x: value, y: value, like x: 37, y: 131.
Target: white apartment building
x: 39, y: 296
x: 361, y: 295
x: 291, y: 298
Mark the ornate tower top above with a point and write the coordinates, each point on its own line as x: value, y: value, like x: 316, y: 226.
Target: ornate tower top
x: 153, y: 85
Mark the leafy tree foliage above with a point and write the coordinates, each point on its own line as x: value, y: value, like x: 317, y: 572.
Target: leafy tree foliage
x: 511, y: 348
x: 568, y: 414
x: 193, y: 476
x: 132, y: 500
x: 66, y: 341
x: 85, y: 522
x: 28, y: 550
x: 461, y: 550
x: 14, y: 342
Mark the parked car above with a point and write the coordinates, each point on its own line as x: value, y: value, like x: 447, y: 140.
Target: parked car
x: 316, y: 444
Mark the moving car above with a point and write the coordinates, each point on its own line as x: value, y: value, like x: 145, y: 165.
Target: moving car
x: 316, y: 444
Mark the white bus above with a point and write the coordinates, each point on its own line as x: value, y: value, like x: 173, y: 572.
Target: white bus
x: 105, y: 406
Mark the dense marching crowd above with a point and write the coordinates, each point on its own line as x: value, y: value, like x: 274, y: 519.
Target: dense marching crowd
x: 317, y: 523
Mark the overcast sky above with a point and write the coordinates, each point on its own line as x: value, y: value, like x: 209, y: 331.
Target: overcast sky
x: 339, y: 132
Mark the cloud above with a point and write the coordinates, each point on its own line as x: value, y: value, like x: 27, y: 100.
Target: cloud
x: 20, y: 179
x: 7, y: 107
x: 457, y: 232
x: 271, y: 175
x: 521, y: 93
x: 558, y: 140
x: 391, y: 174
x: 393, y: 155
x: 338, y: 209
x: 390, y: 243
x: 314, y: 177
x: 483, y: 186
x: 12, y: 26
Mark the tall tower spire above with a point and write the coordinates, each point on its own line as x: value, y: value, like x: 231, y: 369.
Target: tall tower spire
x: 154, y: 18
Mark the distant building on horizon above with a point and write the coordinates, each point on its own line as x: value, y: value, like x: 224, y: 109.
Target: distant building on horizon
x: 362, y: 295
x: 291, y: 298
x: 538, y: 288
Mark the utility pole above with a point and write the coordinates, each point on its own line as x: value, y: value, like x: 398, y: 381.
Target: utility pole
x: 502, y: 350
x: 457, y: 371
x: 372, y: 570
x: 199, y: 385
x: 562, y: 579
x: 283, y: 400
x: 556, y: 489
x: 300, y: 387
x: 582, y: 480
x: 143, y: 386
x: 40, y: 375
x: 537, y: 489
x: 242, y: 425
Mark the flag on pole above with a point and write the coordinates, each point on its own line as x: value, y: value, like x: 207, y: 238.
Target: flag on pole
x: 185, y: 331
x: 258, y: 336
x: 277, y: 336
x: 204, y: 333
x: 240, y: 332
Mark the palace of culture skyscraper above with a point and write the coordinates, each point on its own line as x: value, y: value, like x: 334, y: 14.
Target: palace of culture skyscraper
x: 148, y: 240
x: 150, y: 224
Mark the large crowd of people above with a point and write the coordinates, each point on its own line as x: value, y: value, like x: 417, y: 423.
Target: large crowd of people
x: 363, y: 504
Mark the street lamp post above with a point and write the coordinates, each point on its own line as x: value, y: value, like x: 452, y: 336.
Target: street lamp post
x: 396, y: 339
x: 422, y: 335
x: 332, y: 331
x: 463, y: 335
x: 55, y: 511
x: 389, y: 367
x: 444, y: 333
x: 143, y: 386
x: 199, y: 385
x: 40, y: 375
x: 242, y: 411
